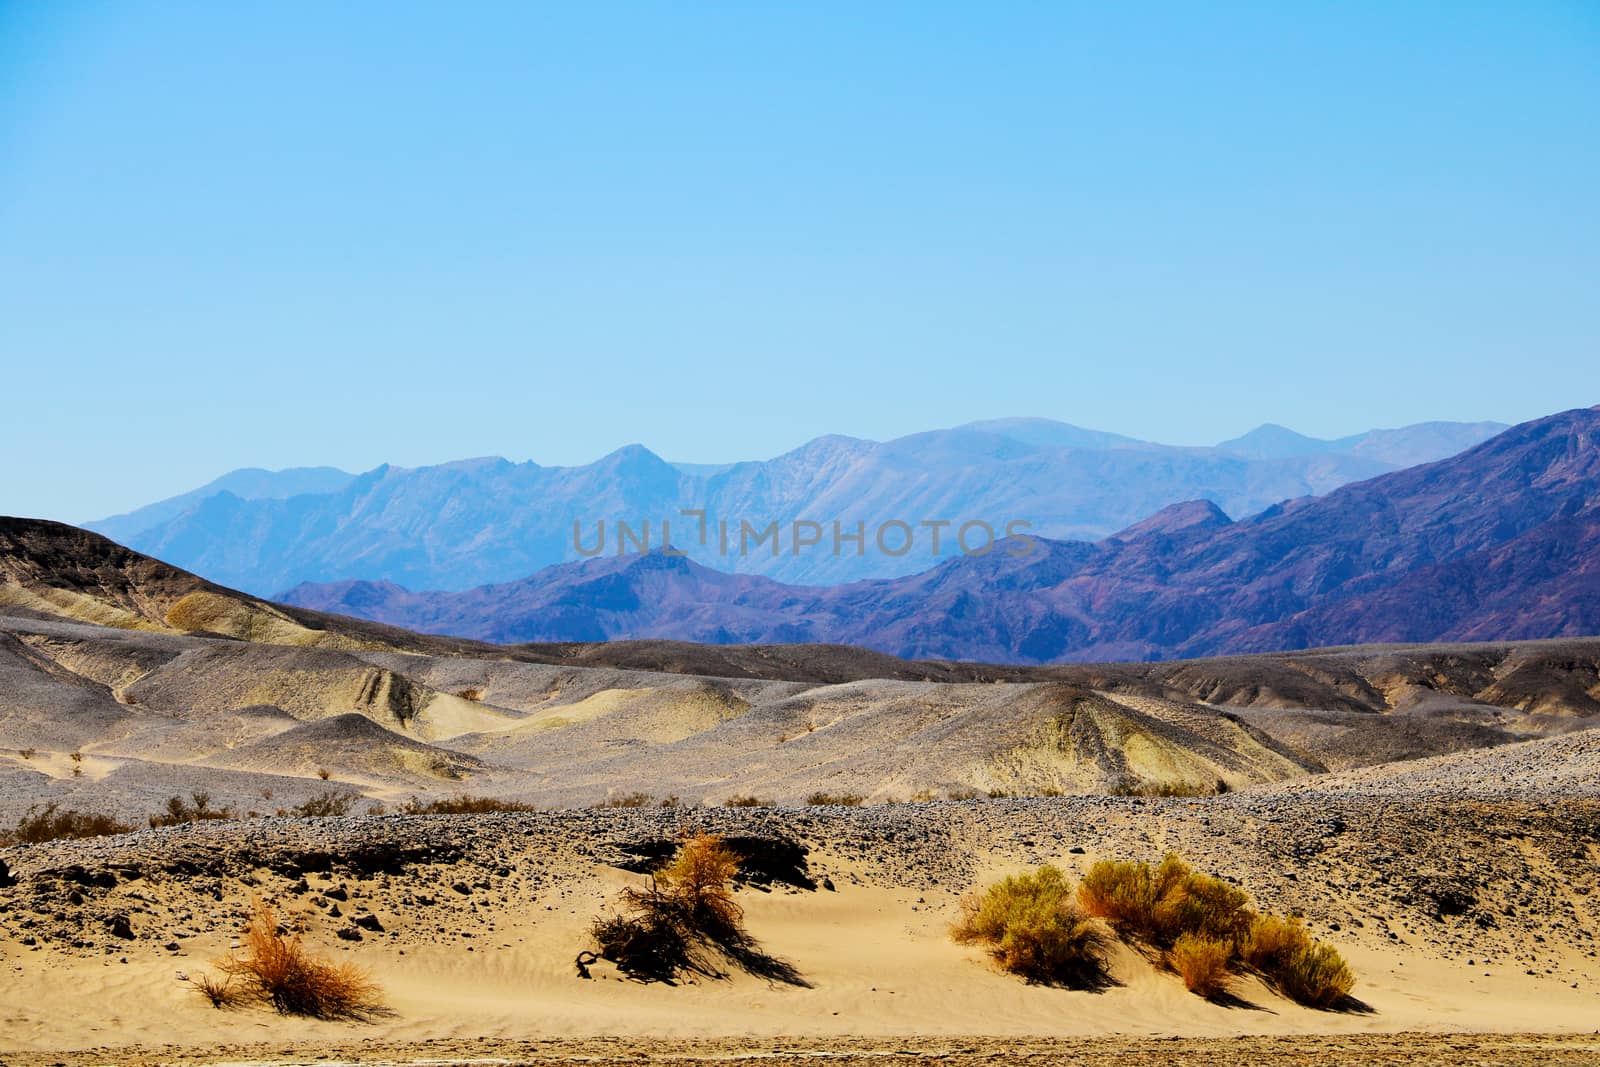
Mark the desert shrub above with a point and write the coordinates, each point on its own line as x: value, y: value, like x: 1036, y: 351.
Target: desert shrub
x: 324, y: 773
x: 196, y: 809
x: 1168, y: 789
x: 686, y: 921
x: 327, y: 805
x: 51, y: 823
x: 628, y: 800
x: 1203, y: 963
x: 1300, y: 967
x: 1316, y: 976
x: 219, y: 991
x: 461, y: 804
x: 962, y: 794
x: 1271, y: 941
x: 846, y: 800
x: 746, y: 802
x: 1159, y: 904
x: 1031, y: 925
x: 27, y: 753
x: 277, y: 970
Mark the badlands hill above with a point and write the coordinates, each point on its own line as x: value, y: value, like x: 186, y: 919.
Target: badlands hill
x: 462, y: 524
x: 1499, y: 542
x: 159, y: 682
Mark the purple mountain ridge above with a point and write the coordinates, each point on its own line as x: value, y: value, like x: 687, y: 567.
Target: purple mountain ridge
x: 1499, y: 542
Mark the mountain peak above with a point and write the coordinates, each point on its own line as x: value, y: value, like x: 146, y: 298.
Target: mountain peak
x: 1188, y: 515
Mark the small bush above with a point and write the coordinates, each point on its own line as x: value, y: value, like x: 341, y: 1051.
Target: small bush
x: 1031, y: 926
x: 962, y: 794
x: 27, y: 753
x: 328, y: 805
x: 461, y: 804
x: 746, y: 802
x: 196, y: 809
x: 1168, y: 789
x: 1271, y: 941
x: 52, y: 823
x: 685, y: 920
x: 1202, y: 962
x: 277, y: 970
x: 1316, y: 976
x: 845, y: 800
x: 324, y: 773
x: 219, y: 991
x: 1159, y: 904
x: 628, y: 800
x: 1300, y: 967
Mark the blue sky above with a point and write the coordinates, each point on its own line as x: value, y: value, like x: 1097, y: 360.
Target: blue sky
x: 278, y: 234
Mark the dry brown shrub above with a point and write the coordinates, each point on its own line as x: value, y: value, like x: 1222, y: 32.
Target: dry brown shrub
x: 628, y: 800
x: 277, y: 969
x: 51, y: 823
x: 846, y: 800
x: 219, y: 991
x: 461, y: 804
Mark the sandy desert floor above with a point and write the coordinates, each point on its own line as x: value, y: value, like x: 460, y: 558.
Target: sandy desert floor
x: 1460, y: 918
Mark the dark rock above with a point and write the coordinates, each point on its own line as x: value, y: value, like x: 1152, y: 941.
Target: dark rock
x: 120, y: 926
x: 370, y: 922
x: 349, y: 933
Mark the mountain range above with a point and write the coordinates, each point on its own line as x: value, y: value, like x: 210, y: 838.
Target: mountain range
x: 1499, y: 542
x: 458, y: 525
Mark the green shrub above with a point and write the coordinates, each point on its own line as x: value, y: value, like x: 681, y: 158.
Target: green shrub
x: 196, y: 809
x: 1031, y: 926
x: 328, y: 805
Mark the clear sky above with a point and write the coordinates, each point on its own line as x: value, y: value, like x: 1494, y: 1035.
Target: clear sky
x: 274, y: 234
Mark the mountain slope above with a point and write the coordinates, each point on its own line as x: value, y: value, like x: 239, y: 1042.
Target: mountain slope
x: 1495, y: 542
x: 473, y: 522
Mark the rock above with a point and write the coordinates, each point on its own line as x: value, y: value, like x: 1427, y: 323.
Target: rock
x: 120, y: 926
x: 6, y: 878
x: 349, y: 933
x: 370, y: 922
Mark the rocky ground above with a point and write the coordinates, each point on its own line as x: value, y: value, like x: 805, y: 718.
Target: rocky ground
x: 1496, y: 882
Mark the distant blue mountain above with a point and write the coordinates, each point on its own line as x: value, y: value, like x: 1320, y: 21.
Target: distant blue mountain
x: 468, y: 523
x: 1501, y: 542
